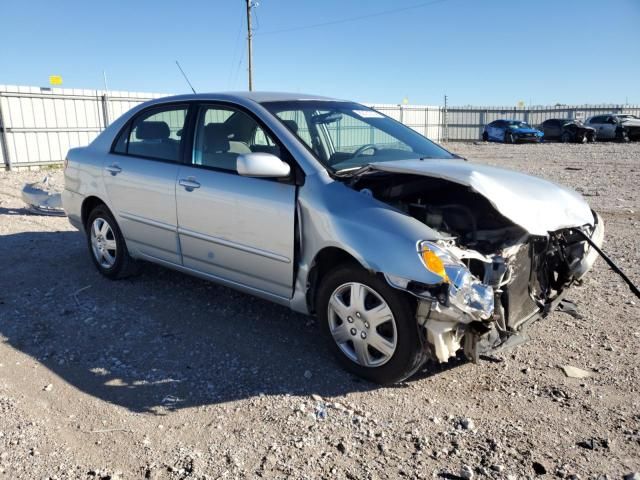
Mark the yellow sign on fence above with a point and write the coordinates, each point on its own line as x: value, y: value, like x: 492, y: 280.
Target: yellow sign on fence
x: 55, y: 79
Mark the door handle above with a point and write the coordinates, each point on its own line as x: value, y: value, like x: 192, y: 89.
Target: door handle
x: 189, y: 184
x: 113, y: 169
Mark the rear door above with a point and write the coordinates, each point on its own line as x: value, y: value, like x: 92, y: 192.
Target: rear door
x: 237, y: 229
x: 140, y: 176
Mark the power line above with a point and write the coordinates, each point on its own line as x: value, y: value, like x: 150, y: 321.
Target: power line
x: 353, y: 19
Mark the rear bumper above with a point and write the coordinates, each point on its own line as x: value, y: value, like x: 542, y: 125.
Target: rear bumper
x: 72, y: 205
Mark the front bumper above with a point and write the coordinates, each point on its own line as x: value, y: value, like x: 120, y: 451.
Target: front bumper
x: 526, y: 137
x: 535, y: 289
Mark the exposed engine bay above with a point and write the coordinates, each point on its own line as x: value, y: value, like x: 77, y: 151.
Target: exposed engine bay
x: 525, y: 275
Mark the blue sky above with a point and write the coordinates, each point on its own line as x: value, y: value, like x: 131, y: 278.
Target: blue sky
x: 477, y: 52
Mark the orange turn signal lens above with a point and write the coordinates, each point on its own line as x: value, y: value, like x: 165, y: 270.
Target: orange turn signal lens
x: 433, y: 263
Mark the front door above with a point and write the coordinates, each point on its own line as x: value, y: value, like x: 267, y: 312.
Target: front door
x: 140, y: 178
x: 605, y: 127
x: 235, y: 228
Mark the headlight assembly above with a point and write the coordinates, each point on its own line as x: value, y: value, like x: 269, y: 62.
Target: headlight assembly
x: 466, y: 292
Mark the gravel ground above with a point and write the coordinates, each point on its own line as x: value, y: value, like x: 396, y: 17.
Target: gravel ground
x: 167, y: 376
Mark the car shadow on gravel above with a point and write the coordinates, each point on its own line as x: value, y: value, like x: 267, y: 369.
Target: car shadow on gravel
x: 160, y: 341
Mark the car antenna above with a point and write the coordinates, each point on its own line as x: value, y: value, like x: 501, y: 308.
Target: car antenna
x: 185, y: 77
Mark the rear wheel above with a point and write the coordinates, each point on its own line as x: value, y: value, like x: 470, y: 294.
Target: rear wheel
x: 107, y: 246
x: 508, y: 137
x: 591, y: 137
x: 369, y: 326
x: 485, y: 137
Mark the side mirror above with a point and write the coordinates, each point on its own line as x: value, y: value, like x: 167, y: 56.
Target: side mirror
x: 261, y: 164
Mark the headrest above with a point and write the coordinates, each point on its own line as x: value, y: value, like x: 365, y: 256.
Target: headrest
x: 152, y: 131
x: 216, y: 138
x: 291, y: 125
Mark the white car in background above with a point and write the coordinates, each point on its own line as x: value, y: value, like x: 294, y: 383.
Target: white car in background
x: 616, y: 126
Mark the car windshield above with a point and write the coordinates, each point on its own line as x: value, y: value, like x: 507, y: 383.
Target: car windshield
x: 344, y: 135
x: 518, y: 124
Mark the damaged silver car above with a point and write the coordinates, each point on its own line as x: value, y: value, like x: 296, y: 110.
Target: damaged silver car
x: 404, y: 251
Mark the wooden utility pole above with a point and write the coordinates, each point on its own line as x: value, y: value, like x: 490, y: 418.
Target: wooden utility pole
x: 249, y: 40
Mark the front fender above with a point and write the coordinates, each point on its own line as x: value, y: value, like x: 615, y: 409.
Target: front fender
x: 381, y: 238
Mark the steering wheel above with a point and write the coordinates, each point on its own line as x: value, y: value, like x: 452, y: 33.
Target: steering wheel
x: 364, y: 148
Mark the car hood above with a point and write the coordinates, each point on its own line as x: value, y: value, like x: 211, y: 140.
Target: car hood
x: 580, y: 126
x: 631, y: 122
x: 537, y: 205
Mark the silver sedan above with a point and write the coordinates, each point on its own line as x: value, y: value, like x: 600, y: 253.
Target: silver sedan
x: 404, y: 251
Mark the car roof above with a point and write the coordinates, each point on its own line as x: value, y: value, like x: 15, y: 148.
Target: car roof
x: 258, y: 97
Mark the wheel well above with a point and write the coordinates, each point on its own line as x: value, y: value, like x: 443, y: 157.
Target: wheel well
x: 87, y: 207
x: 326, y: 260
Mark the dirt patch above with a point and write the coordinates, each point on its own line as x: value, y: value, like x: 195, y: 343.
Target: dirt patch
x: 168, y: 376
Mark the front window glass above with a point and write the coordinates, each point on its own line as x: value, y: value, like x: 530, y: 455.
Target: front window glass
x: 345, y: 135
x: 223, y: 133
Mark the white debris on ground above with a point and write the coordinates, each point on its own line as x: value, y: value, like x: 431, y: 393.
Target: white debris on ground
x: 41, y: 198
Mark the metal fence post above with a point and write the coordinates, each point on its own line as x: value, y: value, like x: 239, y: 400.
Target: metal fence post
x: 105, y: 110
x: 3, y: 139
x: 445, y: 122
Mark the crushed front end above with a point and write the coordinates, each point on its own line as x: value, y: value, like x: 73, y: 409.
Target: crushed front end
x: 496, y: 276
x: 486, y: 302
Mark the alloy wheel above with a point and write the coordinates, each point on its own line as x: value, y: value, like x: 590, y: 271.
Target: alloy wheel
x: 103, y: 243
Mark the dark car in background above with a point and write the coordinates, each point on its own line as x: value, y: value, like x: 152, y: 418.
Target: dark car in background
x: 567, y: 130
x: 510, y: 131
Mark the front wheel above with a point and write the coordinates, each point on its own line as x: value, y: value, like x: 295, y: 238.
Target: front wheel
x: 566, y: 137
x: 622, y: 135
x: 370, y: 327
x: 107, y: 246
x: 485, y: 137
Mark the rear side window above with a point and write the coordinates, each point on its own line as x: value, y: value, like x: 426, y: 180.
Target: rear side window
x: 154, y: 134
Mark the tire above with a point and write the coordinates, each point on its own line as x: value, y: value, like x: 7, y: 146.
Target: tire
x: 396, y: 334
x: 566, y: 137
x: 485, y: 137
x: 591, y: 137
x: 508, y: 137
x: 107, y: 247
x: 623, y: 136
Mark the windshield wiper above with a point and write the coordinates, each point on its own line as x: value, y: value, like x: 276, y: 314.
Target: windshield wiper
x: 353, y: 171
